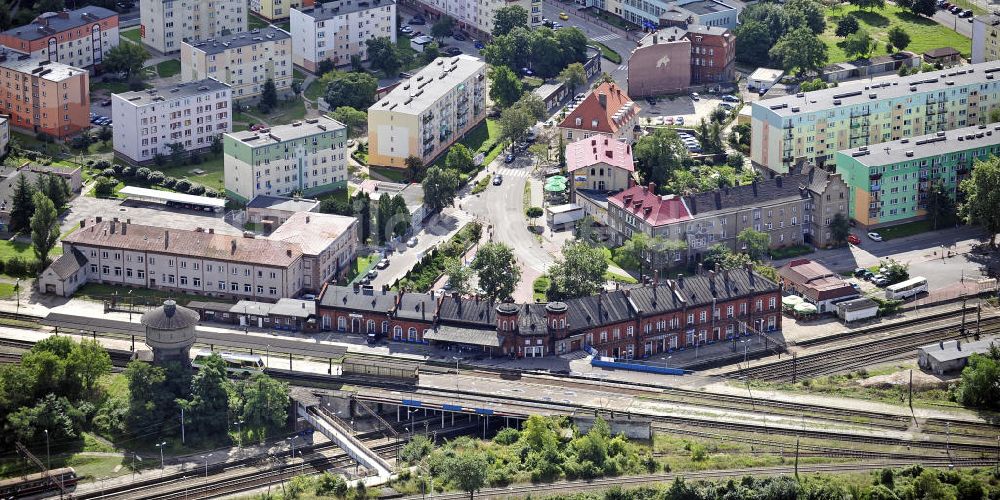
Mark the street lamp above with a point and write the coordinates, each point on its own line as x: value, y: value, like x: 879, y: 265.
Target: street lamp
x: 160, y: 446
x: 239, y: 433
x: 206, y: 457
x: 17, y: 293
x: 267, y: 356
x: 129, y: 295
x: 457, y: 359
x: 48, y: 458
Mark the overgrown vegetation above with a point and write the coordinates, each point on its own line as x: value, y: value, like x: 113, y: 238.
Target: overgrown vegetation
x: 428, y: 269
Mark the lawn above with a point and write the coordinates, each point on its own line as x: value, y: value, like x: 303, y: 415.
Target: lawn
x: 361, y: 265
x: 98, y: 291
x: 254, y: 22
x: 10, y: 249
x: 6, y: 290
x: 212, y: 178
x: 168, y: 68
x: 607, y: 53
x: 903, y: 230
x: 132, y: 34
x: 287, y: 111
x: 393, y: 174
x: 925, y: 34
x: 315, y: 90
x: 113, y: 87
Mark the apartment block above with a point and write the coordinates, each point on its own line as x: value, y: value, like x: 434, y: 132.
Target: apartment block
x: 813, y: 126
x: 147, y: 122
x: 244, y: 61
x: 201, y: 262
x: 985, y: 45
x: 303, y: 158
x: 889, y: 182
x: 278, y: 9
x: 428, y: 112
x: 44, y: 96
x: 335, y: 31
x: 651, y: 14
x: 477, y: 18
x: 168, y: 23
x: 78, y: 38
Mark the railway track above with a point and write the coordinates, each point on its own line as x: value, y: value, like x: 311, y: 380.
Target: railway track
x: 856, y: 355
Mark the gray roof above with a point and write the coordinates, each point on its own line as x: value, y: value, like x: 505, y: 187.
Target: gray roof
x: 283, y: 203
x: 957, y: 349
x: 209, y: 306
x: 766, y: 192
x: 42, y: 68
x: 223, y: 43
x: 170, y: 316
x: 460, y: 335
x: 604, y: 308
x: 857, y: 304
x: 362, y: 298
x: 472, y: 311
x: 280, y: 133
x: 942, y: 52
x: 172, y: 92
x: 695, y: 291
x: 344, y: 7
x: 68, y: 263
x: 701, y: 29
x: 418, y: 306
x: 702, y: 7
x: 423, y: 90
x: 940, y: 143
x: 50, y: 23
x: 293, y: 307
x: 850, y: 93
x: 251, y: 307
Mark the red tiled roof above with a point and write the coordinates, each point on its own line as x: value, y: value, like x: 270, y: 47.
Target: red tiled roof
x: 591, y: 109
x: 642, y: 202
x: 598, y: 149
x: 815, y: 281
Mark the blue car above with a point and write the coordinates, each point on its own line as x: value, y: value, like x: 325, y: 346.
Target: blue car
x: 508, y: 159
x: 479, y: 45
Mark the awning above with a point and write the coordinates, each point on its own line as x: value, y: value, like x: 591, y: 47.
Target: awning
x: 460, y: 335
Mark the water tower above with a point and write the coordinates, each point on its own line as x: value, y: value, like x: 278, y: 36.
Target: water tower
x: 170, y: 332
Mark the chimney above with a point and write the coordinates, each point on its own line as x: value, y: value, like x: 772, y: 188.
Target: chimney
x: 777, y: 180
x: 652, y: 188
x: 112, y: 227
x: 701, y: 269
x: 680, y: 281
x: 754, y: 185
x: 98, y: 219
x: 711, y: 282
x: 656, y: 38
x: 124, y: 228
x: 211, y: 230
x: 288, y: 252
x: 83, y: 223
x: 232, y: 246
x: 958, y: 345
x: 166, y: 239
x: 750, y: 274
x: 307, y: 219
x: 656, y: 278
x: 602, y: 98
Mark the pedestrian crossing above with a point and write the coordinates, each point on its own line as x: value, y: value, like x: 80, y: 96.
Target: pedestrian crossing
x: 605, y: 38
x: 513, y: 172
x: 623, y: 67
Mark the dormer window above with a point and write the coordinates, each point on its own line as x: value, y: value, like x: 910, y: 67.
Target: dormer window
x: 593, y: 123
x: 579, y: 121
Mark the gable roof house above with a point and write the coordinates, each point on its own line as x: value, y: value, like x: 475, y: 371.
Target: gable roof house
x: 606, y: 110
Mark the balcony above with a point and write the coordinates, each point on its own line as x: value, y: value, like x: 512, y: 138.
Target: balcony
x: 428, y: 140
x: 428, y: 117
x: 428, y: 149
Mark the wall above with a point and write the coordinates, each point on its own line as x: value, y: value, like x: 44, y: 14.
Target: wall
x: 632, y: 429
x: 660, y: 68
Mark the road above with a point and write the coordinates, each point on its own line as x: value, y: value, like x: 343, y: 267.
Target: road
x: 437, y: 229
x: 961, y: 26
x: 595, y: 29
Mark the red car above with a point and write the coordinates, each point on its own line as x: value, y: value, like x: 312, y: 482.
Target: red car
x: 854, y: 240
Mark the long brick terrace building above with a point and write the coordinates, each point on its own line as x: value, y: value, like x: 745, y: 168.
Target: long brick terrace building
x: 628, y: 323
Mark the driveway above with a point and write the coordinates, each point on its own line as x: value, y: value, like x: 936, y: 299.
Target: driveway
x: 437, y: 229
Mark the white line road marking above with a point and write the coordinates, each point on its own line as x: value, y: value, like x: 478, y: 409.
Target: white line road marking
x: 605, y: 38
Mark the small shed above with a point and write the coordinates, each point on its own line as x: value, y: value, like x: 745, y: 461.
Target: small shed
x: 857, y: 309
x: 945, y: 56
x: 764, y: 79
x: 418, y: 43
x: 951, y: 356
x: 562, y: 216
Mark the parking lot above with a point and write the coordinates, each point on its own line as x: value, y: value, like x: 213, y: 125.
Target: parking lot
x: 681, y: 111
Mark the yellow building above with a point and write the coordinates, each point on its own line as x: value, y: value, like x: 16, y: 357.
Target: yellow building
x: 244, y: 61
x: 278, y: 9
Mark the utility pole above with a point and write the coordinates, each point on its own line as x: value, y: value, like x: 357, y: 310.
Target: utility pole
x: 796, y: 458
x: 961, y: 331
x: 795, y: 367
x: 48, y: 457
x: 911, y: 390
x: 160, y: 446
x: 182, y: 425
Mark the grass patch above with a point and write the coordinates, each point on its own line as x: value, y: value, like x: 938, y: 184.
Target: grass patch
x: 619, y: 278
x: 211, y: 178
x: 608, y: 53
x: 98, y: 291
x: 131, y: 35
x: 925, y: 34
x: 255, y: 22
x: 790, y: 251
x: 10, y: 249
x: 481, y: 185
x: 903, y: 230
x: 393, y: 174
x: 361, y: 266
x: 531, y: 83
x: 6, y: 290
x: 411, y: 58
x: 114, y: 87
x: 168, y: 68
x: 315, y: 90
x: 540, y: 287
x: 287, y: 111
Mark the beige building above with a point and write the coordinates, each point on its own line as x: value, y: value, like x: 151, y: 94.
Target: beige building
x: 478, y: 17
x: 44, y: 96
x: 244, y: 61
x: 278, y: 9
x: 168, y: 23
x: 427, y: 113
x: 336, y: 31
x: 202, y: 262
x: 986, y: 38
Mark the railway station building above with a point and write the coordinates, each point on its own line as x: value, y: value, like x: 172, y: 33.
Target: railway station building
x: 628, y: 323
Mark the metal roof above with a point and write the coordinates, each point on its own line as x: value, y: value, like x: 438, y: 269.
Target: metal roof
x: 459, y: 335
x: 243, y: 39
x: 172, y: 196
x: 923, y: 146
x: 168, y: 93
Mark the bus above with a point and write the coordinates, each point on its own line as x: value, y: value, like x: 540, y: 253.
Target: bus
x: 906, y: 289
x: 242, y: 364
x: 37, y: 485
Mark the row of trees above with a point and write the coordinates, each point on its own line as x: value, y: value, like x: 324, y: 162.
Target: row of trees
x: 545, y: 51
x: 36, y: 209
x: 785, y: 35
x: 495, y: 268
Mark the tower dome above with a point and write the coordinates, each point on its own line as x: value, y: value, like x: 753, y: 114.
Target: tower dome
x: 170, y: 332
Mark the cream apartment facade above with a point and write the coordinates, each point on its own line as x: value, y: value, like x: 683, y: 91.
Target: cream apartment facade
x: 336, y: 31
x: 428, y: 112
x: 328, y: 242
x: 477, y: 17
x: 278, y: 9
x: 985, y: 36
x: 244, y: 61
x: 192, y: 114
x: 811, y: 127
x: 303, y: 158
x: 168, y: 23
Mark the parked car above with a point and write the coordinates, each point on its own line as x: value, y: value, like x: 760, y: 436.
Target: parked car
x: 868, y: 275
x: 479, y: 45
x: 453, y: 51
x: 730, y: 98
x: 509, y: 158
x: 527, y: 72
x: 726, y: 105
x: 651, y: 101
x: 563, y: 16
x: 459, y: 37
x: 955, y: 9
x: 105, y: 103
x: 679, y: 120
x: 412, y: 242
x: 860, y: 272
x: 880, y: 280
x: 382, y: 264
x: 372, y: 274
x: 853, y: 239
x: 695, y: 96
x: 556, y: 25
x: 406, y: 29
x: 497, y: 180
x: 418, y: 21
x: 875, y: 236
x: 967, y: 13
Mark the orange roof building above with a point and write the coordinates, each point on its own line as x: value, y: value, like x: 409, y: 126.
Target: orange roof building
x: 606, y: 110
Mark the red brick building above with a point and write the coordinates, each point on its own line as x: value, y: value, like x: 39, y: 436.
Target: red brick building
x: 674, y: 58
x: 630, y: 323
x: 713, y: 52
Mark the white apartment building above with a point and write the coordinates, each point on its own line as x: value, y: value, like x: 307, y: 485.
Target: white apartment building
x: 168, y: 23
x: 315, y: 249
x: 243, y: 60
x: 428, y: 112
x: 304, y: 158
x: 338, y: 30
x: 477, y: 17
x: 148, y: 121
x: 79, y: 38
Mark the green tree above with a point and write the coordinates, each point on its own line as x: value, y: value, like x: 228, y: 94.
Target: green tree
x: 573, y: 76
x: 356, y: 90
x: 810, y: 11
x: 363, y: 211
x: 658, y: 155
x: 400, y: 216
x: 846, y: 26
x: 505, y: 86
x: 105, y: 134
x: 754, y: 43
x: 580, y: 271
x: 442, y: 27
x: 44, y: 229
x: 924, y: 7
x: 90, y: 361
x: 859, y: 44
x: 562, y: 152
x: 356, y: 120
x: 148, y: 403
x: 460, y: 159
x: 54, y: 414
x: 268, y: 96
x: 982, y: 197
x: 840, y: 228
x: 505, y: 19
x: 459, y: 276
x: 208, y: 406
x: 532, y: 105
x: 755, y: 242
x: 414, y: 165
x: 868, y: 5
x: 264, y: 402
x: 5, y: 19
x: 57, y: 190
x: 940, y: 206
x: 515, y: 122
x: 497, y: 270
x: 632, y: 254
x: 467, y: 471
x: 547, y: 57
x: 383, y: 55
x: 431, y: 52
x: 899, y: 38
x: 799, y: 50
x: 22, y: 205
x: 127, y: 59
x: 440, y: 186
x: 534, y: 213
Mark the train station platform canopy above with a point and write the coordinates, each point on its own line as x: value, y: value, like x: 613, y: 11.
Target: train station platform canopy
x: 157, y: 196
x: 470, y: 336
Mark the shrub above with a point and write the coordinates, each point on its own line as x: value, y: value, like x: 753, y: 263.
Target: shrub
x: 169, y: 182
x: 196, y: 189
x: 541, y: 284
x: 109, y: 173
x: 18, y: 267
x: 128, y: 172
x: 118, y: 168
x: 142, y: 173
x: 105, y: 186
x: 182, y: 185
x: 156, y: 177
x: 102, y: 164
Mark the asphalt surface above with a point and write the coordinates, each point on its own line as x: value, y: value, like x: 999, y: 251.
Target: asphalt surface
x: 595, y: 29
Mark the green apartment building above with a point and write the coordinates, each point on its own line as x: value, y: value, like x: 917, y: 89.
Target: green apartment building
x: 306, y: 158
x: 888, y: 182
x: 811, y: 127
